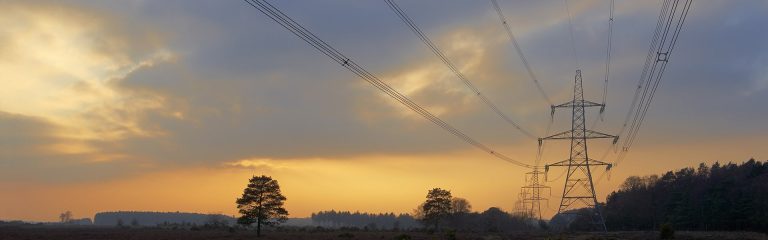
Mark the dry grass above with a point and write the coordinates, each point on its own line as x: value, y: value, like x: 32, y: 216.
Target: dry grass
x: 93, y: 233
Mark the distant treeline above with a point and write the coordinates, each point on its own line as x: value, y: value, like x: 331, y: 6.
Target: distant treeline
x: 717, y: 197
x: 372, y: 221
x: 126, y: 218
x: 491, y: 220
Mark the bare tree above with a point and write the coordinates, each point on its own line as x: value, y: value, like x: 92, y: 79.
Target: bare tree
x: 65, y: 217
x: 262, y: 203
x: 460, y: 205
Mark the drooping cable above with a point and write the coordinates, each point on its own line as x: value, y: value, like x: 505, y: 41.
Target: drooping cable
x: 286, y: 22
x: 663, y: 53
x: 646, y: 66
x: 573, y: 37
x: 608, y: 57
x: 608, y: 54
x: 436, y: 50
x: 519, y: 51
x: 607, y: 66
x: 668, y: 28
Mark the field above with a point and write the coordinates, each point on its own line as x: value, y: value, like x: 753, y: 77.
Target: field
x: 92, y: 233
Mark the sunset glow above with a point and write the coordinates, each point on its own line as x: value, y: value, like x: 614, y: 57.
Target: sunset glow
x: 173, y: 106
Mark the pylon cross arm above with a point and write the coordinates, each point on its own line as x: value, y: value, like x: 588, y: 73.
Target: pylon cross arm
x: 593, y: 162
x: 596, y: 134
x: 579, y: 103
x: 559, y: 136
x: 563, y: 163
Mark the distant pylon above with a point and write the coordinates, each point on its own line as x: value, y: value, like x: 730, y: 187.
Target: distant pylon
x: 521, y: 205
x: 533, y: 197
x: 579, y: 191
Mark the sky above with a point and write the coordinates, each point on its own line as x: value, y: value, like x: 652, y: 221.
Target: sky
x: 174, y: 105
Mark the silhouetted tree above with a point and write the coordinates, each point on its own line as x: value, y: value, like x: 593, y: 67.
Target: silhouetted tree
x: 437, y: 206
x: 65, y: 217
x: 459, y: 217
x: 262, y: 203
x: 460, y: 205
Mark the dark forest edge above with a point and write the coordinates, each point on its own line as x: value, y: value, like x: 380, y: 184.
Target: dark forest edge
x: 729, y: 197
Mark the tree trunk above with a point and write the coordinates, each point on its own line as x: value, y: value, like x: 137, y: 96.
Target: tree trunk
x: 258, y: 227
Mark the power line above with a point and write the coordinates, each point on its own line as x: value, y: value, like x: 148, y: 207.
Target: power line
x: 535, y: 186
x: 646, y: 66
x: 608, y: 56
x: 520, y: 51
x: 573, y: 38
x: 607, y: 65
x: 662, y: 55
x: 284, y: 20
x: 436, y: 50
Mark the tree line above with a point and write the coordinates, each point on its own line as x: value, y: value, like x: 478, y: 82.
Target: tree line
x: 441, y: 211
x: 368, y: 221
x: 717, y: 197
x: 138, y: 218
x: 262, y: 204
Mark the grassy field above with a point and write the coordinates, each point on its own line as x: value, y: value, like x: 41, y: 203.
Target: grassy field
x: 92, y: 233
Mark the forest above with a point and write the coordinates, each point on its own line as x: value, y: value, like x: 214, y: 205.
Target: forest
x: 729, y: 197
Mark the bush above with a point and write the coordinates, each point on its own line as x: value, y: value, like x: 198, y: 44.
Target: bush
x: 667, y: 232
x: 346, y: 235
x: 450, y: 235
x: 403, y: 237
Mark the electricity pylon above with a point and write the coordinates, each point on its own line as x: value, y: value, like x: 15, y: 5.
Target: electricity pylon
x: 579, y: 191
x: 534, y: 189
x: 521, y: 205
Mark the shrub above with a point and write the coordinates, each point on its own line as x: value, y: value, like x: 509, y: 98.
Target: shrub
x: 450, y: 235
x: 403, y: 237
x: 667, y: 232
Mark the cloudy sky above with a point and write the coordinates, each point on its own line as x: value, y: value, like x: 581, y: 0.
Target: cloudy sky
x: 173, y: 105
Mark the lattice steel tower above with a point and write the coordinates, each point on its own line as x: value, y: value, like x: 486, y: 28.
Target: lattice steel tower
x: 534, y: 189
x: 579, y: 191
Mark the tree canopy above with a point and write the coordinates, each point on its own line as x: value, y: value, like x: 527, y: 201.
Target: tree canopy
x: 437, y: 206
x: 262, y: 203
x: 716, y: 197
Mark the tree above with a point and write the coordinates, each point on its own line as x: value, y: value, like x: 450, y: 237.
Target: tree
x: 460, y: 206
x: 459, y: 217
x: 262, y: 203
x: 65, y: 217
x: 437, y: 206
x: 729, y: 197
